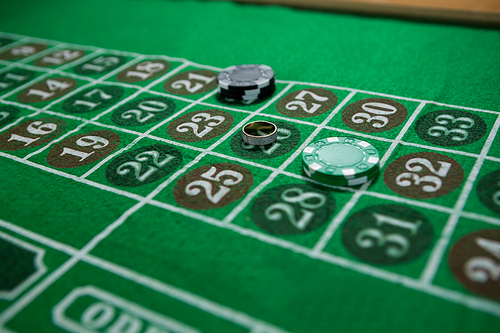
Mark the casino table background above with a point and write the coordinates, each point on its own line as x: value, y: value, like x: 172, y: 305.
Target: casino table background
x: 209, y: 277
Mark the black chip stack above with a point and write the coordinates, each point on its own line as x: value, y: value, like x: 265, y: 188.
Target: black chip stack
x: 246, y: 82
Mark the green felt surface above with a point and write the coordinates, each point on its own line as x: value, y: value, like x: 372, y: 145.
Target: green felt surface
x: 452, y: 64
x: 163, y: 263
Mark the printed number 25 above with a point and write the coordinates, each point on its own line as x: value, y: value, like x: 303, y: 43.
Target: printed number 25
x: 234, y: 178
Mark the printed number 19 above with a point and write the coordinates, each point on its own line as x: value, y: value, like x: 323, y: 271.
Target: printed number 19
x: 95, y: 141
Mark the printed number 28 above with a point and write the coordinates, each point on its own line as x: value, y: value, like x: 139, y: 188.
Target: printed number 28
x: 303, y: 199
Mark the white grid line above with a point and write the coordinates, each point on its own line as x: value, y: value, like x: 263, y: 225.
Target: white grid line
x: 148, y: 282
x: 54, y: 70
x: 53, y: 244
x: 99, y: 81
x: 350, y: 132
x: 142, y: 136
x: 298, y: 121
x: 91, y: 83
x: 26, y: 299
x: 229, y: 218
x: 333, y: 226
x: 8, y: 47
x: 93, y: 48
x: 437, y: 254
x: 19, y: 305
x: 473, y: 302
x: 14, y: 65
x: 343, y: 262
x: 14, y: 43
x: 423, y: 146
x: 486, y: 219
x: 199, y: 302
x: 388, y: 96
x: 440, y: 149
x: 49, y: 73
x: 38, y: 54
x: 18, y: 120
x: 85, y: 122
x: 227, y: 156
x: 382, y: 139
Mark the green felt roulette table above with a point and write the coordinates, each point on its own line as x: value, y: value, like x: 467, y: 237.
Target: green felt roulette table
x: 130, y: 203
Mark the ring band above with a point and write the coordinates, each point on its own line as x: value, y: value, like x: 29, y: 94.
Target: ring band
x: 259, y: 133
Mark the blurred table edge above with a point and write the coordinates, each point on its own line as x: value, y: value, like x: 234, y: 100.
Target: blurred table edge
x: 485, y: 12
